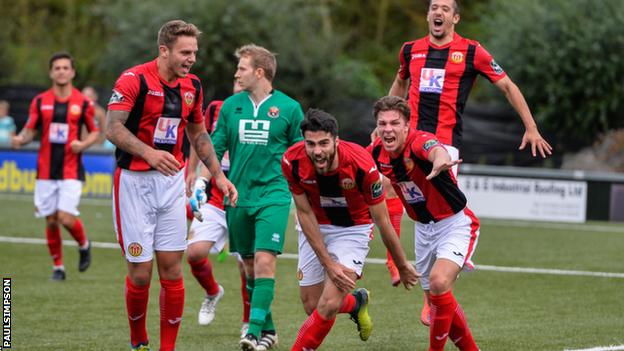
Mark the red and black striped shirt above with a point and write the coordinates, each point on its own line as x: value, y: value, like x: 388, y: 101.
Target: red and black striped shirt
x: 441, y: 80
x: 424, y: 200
x: 215, y: 196
x: 60, y: 122
x: 341, y: 197
x: 159, y: 111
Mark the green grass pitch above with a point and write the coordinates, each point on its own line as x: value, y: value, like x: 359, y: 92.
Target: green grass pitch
x: 506, y: 311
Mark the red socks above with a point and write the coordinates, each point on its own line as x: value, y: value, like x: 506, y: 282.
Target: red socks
x: 313, y: 332
x: 136, y: 305
x: 202, y: 271
x: 245, y: 296
x: 348, y: 304
x: 171, y: 309
x: 53, y: 235
x: 447, y: 319
x: 460, y: 333
x: 77, y: 232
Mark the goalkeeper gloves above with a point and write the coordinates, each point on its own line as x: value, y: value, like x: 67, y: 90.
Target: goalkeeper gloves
x: 198, y: 197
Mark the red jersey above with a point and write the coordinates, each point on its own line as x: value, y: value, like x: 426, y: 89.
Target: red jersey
x: 159, y: 111
x: 341, y: 197
x: 60, y: 122
x: 441, y: 79
x: 215, y: 196
x: 424, y: 200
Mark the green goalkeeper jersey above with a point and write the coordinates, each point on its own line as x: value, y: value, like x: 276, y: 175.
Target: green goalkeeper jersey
x: 256, y: 138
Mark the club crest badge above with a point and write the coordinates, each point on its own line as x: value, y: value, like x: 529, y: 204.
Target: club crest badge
x: 273, y: 112
x: 189, y: 98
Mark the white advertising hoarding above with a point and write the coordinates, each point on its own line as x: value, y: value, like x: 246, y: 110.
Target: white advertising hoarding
x: 527, y: 199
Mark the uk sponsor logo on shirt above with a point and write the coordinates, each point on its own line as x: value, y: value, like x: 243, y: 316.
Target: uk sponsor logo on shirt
x: 431, y: 80
x: 166, y: 131
x: 327, y: 201
x: 254, y: 131
x: 59, y: 133
x: 411, y: 192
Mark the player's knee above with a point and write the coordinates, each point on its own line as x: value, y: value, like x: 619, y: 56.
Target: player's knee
x: 328, y: 306
x: 66, y: 220
x: 140, y: 278
x: 439, y: 283
x: 193, y: 255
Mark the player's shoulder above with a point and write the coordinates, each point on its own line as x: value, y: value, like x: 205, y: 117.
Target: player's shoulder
x: 44, y: 94
x: 284, y: 99
x: 459, y: 40
x: 295, y: 152
x: 355, y: 154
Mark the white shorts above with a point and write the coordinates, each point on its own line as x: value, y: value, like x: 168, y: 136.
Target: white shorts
x: 346, y: 245
x: 454, y: 238
x: 57, y: 195
x: 454, y: 153
x: 213, y: 228
x: 149, y: 213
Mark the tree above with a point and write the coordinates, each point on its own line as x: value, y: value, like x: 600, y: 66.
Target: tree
x: 566, y: 57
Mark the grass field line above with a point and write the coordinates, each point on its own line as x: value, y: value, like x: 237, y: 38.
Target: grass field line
x: 109, y: 245
x: 106, y: 202
x: 601, y: 348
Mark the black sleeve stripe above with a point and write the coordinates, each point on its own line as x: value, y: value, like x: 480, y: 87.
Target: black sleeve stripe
x: 407, y: 56
x: 295, y: 170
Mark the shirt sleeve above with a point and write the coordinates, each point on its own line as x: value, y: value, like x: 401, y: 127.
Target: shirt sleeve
x: 423, y: 143
x: 293, y: 185
x: 90, y: 117
x: 403, y: 65
x: 125, y: 92
x: 294, y: 132
x: 197, y: 115
x: 219, y: 135
x: 34, y: 118
x: 486, y: 65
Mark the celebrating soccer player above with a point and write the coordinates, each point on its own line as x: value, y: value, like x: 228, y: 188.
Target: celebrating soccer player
x: 150, y: 107
x: 418, y: 167
x: 60, y: 112
x: 439, y: 70
x: 338, y: 194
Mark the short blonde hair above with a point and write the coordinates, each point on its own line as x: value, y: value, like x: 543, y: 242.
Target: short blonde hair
x: 260, y: 58
x: 170, y: 31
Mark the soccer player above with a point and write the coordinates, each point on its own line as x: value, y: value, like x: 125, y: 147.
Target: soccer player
x: 439, y: 71
x: 256, y: 126
x: 150, y: 107
x: 395, y: 211
x: 208, y: 232
x: 418, y: 167
x: 338, y: 194
x: 59, y: 113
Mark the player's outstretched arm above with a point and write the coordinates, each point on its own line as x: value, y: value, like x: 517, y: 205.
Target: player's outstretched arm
x: 441, y: 161
x: 307, y: 220
x: 408, y: 274
x: 201, y: 142
x: 531, y: 135
x: 118, y: 134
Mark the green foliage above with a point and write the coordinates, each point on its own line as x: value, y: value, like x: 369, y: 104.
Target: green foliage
x: 34, y: 30
x: 566, y: 57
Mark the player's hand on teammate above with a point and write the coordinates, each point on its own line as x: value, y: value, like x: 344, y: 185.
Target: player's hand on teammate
x: 228, y: 189
x: 162, y: 161
x: 408, y: 274
x: 538, y: 144
x: 340, y: 275
x: 198, y: 197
